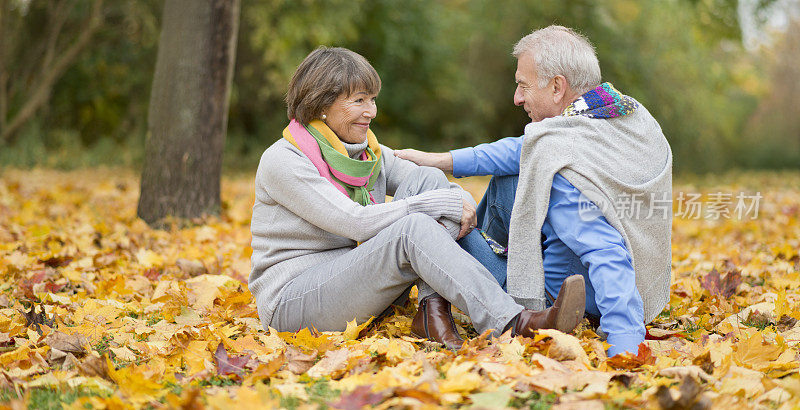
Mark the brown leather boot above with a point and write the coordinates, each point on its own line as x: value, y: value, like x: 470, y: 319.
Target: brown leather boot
x: 434, y: 321
x: 565, y: 314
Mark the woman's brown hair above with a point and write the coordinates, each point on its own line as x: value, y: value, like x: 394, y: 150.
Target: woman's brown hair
x: 322, y: 76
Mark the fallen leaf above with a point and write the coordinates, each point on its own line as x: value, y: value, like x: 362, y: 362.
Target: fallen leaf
x: 565, y: 347
x: 148, y: 258
x: 754, y: 353
x: 75, y: 343
x: 491, y: 400
x: 580, y: 405
x: 265, y: 370
x: 333, y: 361
x: 627, y: 361
x: 358, y: 398
x: 57, y: 261
x: 133, y: 382
x: 123, y: 354
x: 298, y: 362
x: 227, y: 365
x: 682, y: 372
x: 191, y: 267
x: 725, y: 287
x: 687, y: 397
x: 354, y: 329
x: 35, y: 319
x: 94, y: 366
x: 459, y: 379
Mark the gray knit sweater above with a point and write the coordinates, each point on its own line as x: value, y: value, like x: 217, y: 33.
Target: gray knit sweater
x: 624, y: 166
x: 301, y: 220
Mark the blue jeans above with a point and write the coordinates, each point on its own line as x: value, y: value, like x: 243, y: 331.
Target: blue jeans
x: 494, y: 218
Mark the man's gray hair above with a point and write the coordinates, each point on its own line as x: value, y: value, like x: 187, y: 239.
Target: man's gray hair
x: 558, y: 50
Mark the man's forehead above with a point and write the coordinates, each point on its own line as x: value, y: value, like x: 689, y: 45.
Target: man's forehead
x: 523, y: 75
x: 526, y: 68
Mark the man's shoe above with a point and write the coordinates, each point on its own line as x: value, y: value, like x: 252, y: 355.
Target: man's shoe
x: 434, y: 321
x: 565, y: 314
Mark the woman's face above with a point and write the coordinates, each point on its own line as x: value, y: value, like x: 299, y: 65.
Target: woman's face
x: 349, y: 116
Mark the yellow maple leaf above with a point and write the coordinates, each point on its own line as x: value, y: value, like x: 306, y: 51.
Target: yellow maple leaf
x: 306, y: 340
x: 395, y: 349
x: 459, y: 379
x: 196, y: 357
x: 133, y: 383
x: 353, y: 329
x: 148, y: 258
x: 753, y: 353
x: 247, y: 342
x: 204, y: 289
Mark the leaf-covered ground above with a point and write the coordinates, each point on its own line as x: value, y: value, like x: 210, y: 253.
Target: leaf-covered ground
x: 97, y: 310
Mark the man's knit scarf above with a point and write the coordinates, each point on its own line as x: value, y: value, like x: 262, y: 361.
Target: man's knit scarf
x: 353, y: 177
x: 603, y: 101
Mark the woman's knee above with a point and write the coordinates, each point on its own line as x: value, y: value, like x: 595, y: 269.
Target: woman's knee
x: 417, y: 223
x: 430, y: 178
x: 420, y: 226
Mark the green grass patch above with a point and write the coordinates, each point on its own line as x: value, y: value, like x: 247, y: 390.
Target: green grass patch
x: 49, y: 397
x: 290, y: 402
x: 7, y: 394
x: 218, y: 381
x: 102, y: 346
x: 320, y: 393
x: 533, y: 401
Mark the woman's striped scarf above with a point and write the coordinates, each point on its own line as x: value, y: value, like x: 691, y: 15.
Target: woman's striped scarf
x: 604, y: 101
x: 353, y: 177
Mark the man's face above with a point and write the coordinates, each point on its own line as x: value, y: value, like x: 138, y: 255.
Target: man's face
x: 539, y: 103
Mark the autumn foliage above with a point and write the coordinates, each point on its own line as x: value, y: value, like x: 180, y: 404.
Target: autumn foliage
x: 98, y: 310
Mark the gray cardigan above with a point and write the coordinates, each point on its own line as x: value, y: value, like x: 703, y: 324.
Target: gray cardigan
x: 624, y: 166
x: 301, y: 220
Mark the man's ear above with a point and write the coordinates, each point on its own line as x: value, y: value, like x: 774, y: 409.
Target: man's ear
x: 560, y: 87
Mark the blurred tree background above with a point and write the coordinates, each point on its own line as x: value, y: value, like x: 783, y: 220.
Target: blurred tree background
x: 448, y: 76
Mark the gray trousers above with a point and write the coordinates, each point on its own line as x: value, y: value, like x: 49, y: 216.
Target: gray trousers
x: 365, y: 281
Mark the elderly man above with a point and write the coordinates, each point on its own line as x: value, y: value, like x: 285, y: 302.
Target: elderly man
x: 585, y: 191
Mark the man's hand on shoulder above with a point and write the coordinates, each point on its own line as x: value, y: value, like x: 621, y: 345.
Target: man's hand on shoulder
x: 441, y: 160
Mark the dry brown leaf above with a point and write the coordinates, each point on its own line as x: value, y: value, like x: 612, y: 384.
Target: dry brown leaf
x: 334, y: 361
x: 75, y: 343
x: 580, y: 405
x: 299, y: 362
x: 565, y: 347
x: 191, y: 267
x: 681, y: 372
x: 94, y: 366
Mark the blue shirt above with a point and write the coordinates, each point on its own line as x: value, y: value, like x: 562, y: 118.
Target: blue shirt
x: 574, y: 244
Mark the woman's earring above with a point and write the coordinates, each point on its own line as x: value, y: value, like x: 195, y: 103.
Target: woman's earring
x: 324, y: 117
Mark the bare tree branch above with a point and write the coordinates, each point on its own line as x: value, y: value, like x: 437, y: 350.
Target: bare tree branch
x: 58, y: 16
x: 41, y: 91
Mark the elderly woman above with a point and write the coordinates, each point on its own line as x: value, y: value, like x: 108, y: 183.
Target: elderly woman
x: 327, y: 248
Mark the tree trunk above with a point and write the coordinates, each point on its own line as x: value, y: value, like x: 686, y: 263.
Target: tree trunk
x: 188, y: 112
